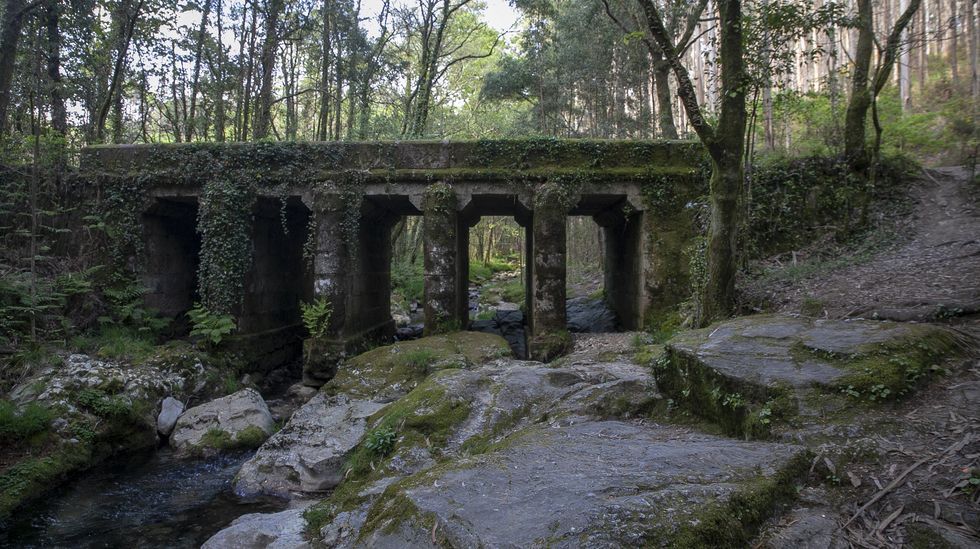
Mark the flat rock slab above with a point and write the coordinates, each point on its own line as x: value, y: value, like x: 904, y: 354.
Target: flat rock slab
x: 283, y: 530
x: 593, y: 484
x: 792, y: 351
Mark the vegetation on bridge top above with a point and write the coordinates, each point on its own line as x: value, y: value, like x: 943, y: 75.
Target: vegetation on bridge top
x: 307, y: 162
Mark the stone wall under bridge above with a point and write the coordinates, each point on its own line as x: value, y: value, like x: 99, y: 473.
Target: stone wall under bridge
x: 350, y: 195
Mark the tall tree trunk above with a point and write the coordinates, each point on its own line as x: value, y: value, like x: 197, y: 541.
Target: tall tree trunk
x: 219, y: 84
x: 196, y: 77
x: 270, y: 44
x: 725, y: 144
x: 953, y: 53
x: 59, y: 116
x: 13, y: 20
x: 855, y: 142
x: 665, y: 114
x: 126, y: 27
x: 323, y: 122
x: 904, y: 78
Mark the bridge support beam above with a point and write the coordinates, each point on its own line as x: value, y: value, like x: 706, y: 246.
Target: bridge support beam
x: 446, y: 245
x: 549, y: 334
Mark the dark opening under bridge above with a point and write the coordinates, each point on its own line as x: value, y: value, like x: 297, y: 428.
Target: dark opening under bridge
x: 350, y: 195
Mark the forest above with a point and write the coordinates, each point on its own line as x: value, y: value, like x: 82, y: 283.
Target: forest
x: 205, y: 205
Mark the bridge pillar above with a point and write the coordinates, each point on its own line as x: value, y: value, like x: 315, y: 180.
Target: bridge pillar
x: 549, y: 335
x: 446, y: 261
x: 331, y: 264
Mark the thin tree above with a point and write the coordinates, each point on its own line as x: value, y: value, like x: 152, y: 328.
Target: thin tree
x: 724, y: 142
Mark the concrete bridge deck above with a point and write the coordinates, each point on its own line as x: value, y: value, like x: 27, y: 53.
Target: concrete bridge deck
x: 352, y: 194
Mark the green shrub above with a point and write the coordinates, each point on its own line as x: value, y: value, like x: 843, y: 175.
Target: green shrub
x: 114, y: 341
x: 316, y: 316
x: 210, y: 326
x: 408, y: 280
x: 16, y: 426
x: 381, y: 441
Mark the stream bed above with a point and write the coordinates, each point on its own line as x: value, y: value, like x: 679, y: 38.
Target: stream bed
x: 150, y: 499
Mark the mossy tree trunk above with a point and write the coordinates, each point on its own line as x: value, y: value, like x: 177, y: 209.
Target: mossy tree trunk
x: 725, y: 144
x: 863, y: 97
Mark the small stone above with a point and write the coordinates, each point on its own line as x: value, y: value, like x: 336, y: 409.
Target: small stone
x: 170, y: 410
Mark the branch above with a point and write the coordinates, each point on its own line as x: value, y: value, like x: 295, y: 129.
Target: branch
x: 891, y: 47
x: 685, y: 89
x: 693, y: 19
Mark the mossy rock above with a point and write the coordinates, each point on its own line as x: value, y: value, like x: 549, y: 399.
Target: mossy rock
x: 656, y: 485
x: 745, y: 374
x: 394, y: 370
x: 548, y: 347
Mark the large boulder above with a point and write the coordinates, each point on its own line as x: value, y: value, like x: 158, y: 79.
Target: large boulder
x: 283, y: 530
x: 307, y: 454
x: 239, y: 420
x: 746, y: 372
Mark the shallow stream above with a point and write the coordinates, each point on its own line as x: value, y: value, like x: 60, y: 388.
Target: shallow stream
x: 151, y: 499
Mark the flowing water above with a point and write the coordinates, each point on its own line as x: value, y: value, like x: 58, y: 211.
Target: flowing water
x: 146, y: 500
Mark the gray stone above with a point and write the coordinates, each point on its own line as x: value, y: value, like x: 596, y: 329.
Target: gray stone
x: 808, y: 528
x: 170, y: 410
x: 234, y: 415
x: 592, y: 484
x: 588, y: 315
x: 282, y: 530
x: 307, y: 454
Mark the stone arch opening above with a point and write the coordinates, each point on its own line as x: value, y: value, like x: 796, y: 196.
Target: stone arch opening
x: 171, y: 255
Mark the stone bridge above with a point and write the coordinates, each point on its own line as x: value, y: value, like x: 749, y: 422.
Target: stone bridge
x: 341, y: 200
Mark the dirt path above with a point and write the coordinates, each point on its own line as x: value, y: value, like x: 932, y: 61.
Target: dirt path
x: 935, y: 274
x: 900, y: 476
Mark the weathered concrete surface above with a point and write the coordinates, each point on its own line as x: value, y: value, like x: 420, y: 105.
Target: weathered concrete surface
x: 444, y: 305
x: 307, y: 454
x: 594, y: 484
x: 283, y: 530
x: 241, y: 419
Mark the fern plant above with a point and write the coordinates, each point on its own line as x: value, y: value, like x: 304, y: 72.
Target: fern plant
x: 316, y: 316
x: 209, y: 326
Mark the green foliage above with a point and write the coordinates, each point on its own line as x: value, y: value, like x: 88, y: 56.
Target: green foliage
x: 224, y: 222
x: 116, y: 342
x: 796, y: 201
x: 408, y: 280
x: 381, y: 441
x: 210, y: 326
x: 101, y: 404
x: 17, y: 426
x: 316, y: 316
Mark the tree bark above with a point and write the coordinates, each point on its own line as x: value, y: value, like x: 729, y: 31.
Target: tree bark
x: 13, y: 20
x: 59, y: 116
x: 270, y: 44
x: 855, y: 141
x: 127, y: 25
x: 725, y: 145
x: 196, y: 78
x: 953, y: 53
x: 323, y: 122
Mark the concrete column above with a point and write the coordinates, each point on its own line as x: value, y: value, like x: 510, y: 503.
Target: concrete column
x: 442, y: 232
x: 331, y: 266
x: 550, y: 338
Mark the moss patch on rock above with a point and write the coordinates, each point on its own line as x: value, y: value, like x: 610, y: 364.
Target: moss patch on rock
x: 549, y: 346
x: 397, y: 369
x: 425, y: 418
